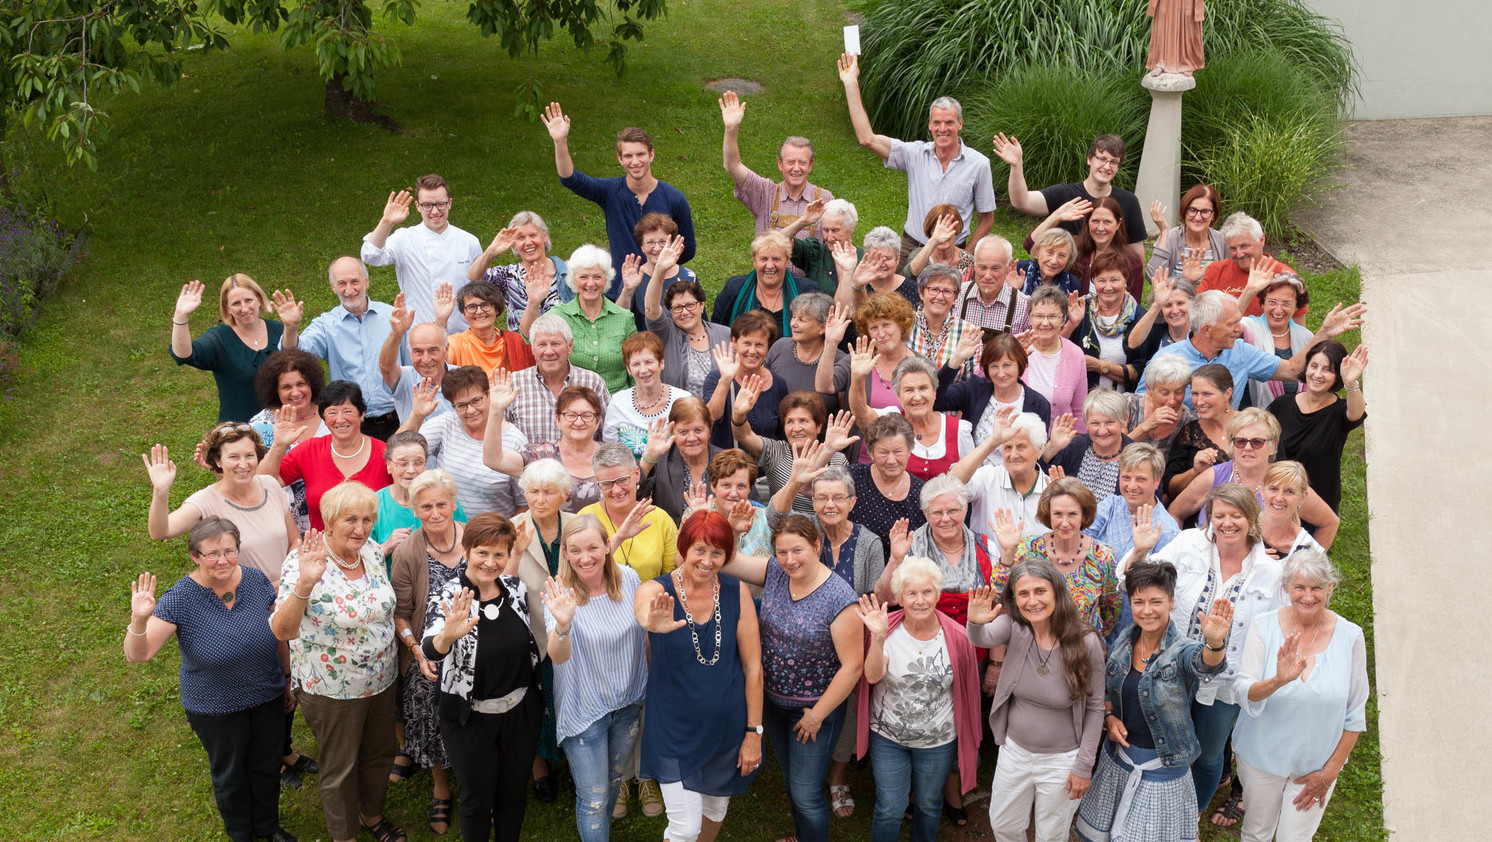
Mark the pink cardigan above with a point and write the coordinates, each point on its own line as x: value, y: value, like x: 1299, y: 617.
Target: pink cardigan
x: 1072, y: 384
x: 965, y: 698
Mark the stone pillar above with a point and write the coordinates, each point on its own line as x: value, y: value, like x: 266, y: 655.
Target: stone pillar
x: 1160, y: 163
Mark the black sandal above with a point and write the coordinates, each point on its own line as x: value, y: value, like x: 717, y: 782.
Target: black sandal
x: 385, y: 831
x: 1230, y: 813
x: 402, y: 772
x: 440, y: 813
x: 958, y: 815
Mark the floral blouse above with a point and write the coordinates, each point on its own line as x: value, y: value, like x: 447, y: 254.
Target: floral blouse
x: 1094, y: 585
x: 346, y: 648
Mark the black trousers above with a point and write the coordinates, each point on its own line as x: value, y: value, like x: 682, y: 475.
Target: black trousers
x: 243, y: 753
x: 492, y: 755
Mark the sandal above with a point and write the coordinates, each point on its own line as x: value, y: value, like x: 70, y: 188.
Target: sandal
x: 402, y: 771
x: 1231, y: 811
x: 840, y: 800
x: 440, y: 814
x: 384, y: 831
x: 958, y: 815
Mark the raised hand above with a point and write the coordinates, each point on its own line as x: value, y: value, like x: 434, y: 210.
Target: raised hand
x: 535, y: 289
x: 1027, y: 337
x: 747, y: 396
x: 944, y: 230
x: 1077, y: 307
x: 1144, y: 530
x: 632, y: 272
x: 1353, y: 366
x: 160, y: 468
x: 142, y: 597
x: 837, y: 432
x: 668, y: 256
x: 742, y: 516
x: 445, y: 303
x: 1055, y: 473
x: 813, y: 212
x: 660, y: 439
x: 1064, y: 429
x: 502, y: 241
x: 556, y: 122
x: 312, y: 555
x: 1205, y: 458
x: 1008, y: 149
x: 1290, y: 662
x: 1160, y: 286
x: 697, y: 497
x: 560, y: 602
x: 402, y: 318
x: 837, y: 323
x: 872, y: 613
x: 1004, y: 421
x: 287, y: 308
x: 849, y: 69
x: 199, y: 457
x: 732, y: 111
x: 984, y: 605
x: 460, y: 619
x: 500, y: 393
x: 633, y: 524
x: 862, y: 359
x: 188, y: 301
x: 968, y: 347
x: 900, y: 539
x: 846, y: 259
x: 1215, y: 626
x: 1342, y: 319
x: 396, y: 209
x: 1073, y: 209
x: 660, y: 614
x: 287, y: 430
x: 725, y: 361
x: 1007, y: 530
x: 809, y: 463
x: 1191, y: 264
x: 425, y: 399
x: 1158, y: 215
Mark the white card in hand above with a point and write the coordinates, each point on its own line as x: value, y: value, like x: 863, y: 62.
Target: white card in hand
x: 852, y: 40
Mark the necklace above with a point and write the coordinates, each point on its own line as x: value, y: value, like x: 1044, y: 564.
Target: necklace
x: 1061, y: 559
x: 1041, y: 668
x: 1281, y: 335
x: 1310, y: 650
x: 649, y: 405
x: 689, y: 619
x: 353, y: 455
x: 345, y: 565
x: 799, y: 357
x: 437, y: 550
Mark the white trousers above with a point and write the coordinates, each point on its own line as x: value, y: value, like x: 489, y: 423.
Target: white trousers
x: 686, y: 809
x: 1025, y: 779
x: 1269, y: 808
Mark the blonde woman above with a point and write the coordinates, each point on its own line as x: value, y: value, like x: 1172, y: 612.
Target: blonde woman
x: 234, y: 348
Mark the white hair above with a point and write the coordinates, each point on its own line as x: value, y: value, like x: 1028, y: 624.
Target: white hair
x: 842, y: 209
x: 1208, y: 307
x: 1168, y: 370
x: 996, y: 241
x: 1106, y: 402
x: 551, y: 324
x: 946, y: 103
x: 881, y: 237
x: 1031, y: 424
x: 589, y: 257
x: 943, y: 484
x: 531, y: 218
x: 917, y: 568
x: 546, y: 473
x: 1242, y: 223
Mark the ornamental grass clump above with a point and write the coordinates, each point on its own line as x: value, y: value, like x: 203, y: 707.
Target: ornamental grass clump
x: 33, y: 255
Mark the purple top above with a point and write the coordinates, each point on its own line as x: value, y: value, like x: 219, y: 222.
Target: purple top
x: 798, y: 655
x: 1221, y: 472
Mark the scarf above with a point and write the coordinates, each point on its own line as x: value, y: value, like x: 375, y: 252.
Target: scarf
x: 746, y: 300
x: 968, y: 575
x: 1126, y: 317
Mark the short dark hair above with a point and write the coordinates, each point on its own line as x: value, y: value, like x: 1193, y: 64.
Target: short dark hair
x: 571, y: 394
x: 485, y: 292
x: 1150, y: 574
x: 267, y: 380
x: 797, y: 524
x: 227, y: 433
x: 1111, y: 260
x: 488, y: 529
x: 1003, y: 344
x: 810, y: 402
x: 1216, y: 374
x: 339, y: 392
x: 209, y: 528
x: 458, y: 380
x: 728, y: 461
x: 1110, y: 143
x: 432, y: 182
x: 754, y: 321
x: 683, y: 287
x: 654, y: 221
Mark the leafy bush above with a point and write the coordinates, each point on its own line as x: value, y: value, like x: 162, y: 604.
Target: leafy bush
x: 33, y: 254
x: 1056, y: 111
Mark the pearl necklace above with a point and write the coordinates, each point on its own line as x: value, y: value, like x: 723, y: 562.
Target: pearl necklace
x: 343, y: 564
x: 353, y: 455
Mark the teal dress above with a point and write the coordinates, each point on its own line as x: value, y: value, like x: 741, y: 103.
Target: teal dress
x: 233, y: 365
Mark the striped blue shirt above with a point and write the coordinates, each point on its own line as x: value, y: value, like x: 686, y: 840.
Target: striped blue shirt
x: 608, y: 667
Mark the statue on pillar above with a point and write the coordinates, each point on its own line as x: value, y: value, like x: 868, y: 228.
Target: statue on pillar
x: 1175, y: 37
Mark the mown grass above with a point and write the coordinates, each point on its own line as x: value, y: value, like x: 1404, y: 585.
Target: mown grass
x: 233, y: 170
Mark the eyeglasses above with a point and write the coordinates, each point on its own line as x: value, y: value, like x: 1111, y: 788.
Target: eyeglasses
x: 689, y: 307
x: 1105, y: 161
x: 939, y: 292
x: 836, y: 499
x: 655, y: 243
x: 434, y: 206
x: 1046, y: 317
x: 1200, y: 213
x: 230, y: 427
x: 945, y: 513
x: 572, y: 417
x: 1275, y: 302
x: 219, y: 555
x: 406, y: 464
x: 1241, y: 443
x: 608, y: 484
x: 471, y: 404
x: 479, y: 307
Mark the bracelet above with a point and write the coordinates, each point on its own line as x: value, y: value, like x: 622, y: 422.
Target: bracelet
x: 562, y: 635
x: 299, y: 596
x: 1357, y: 388
x: 183, y: 324
x: 133, y: 632
x: 646, y: 461
x: 1211, y: 648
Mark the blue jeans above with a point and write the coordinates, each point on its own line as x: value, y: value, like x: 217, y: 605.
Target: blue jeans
x: 1214, y: 723
x: 599, y: 757
x: 804, y: 766
x: 901, y: 771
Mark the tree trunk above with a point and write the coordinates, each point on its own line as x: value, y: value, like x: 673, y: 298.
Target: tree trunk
x: 340, y: 102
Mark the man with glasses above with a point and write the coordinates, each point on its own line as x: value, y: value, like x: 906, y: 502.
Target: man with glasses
x: 426, y: 255
x: 427, y: 355
x: 1105, y: 156
x: 536, y: 389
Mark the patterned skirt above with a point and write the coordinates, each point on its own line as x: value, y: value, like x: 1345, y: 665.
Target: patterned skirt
x: 1162, y: 810
x: 421, y: 729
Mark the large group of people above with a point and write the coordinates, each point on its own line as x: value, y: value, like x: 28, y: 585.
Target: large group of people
x: 575, y: 520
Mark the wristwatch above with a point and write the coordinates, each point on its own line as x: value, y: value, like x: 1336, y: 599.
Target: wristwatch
x: 755, y: 729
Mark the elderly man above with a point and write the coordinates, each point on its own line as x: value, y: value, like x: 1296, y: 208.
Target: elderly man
x: 945, y: 171
x: 535, y: 389
x: 1105, y: 155
x: 427, y: 355
x: 836, y: 220
x: 1245, y: 238
x: 624, y: 200
x: 988, y: 299
x: 349, y: 337
x: 774, y: 206
x: 427, y: 255
x: 1216, y: 337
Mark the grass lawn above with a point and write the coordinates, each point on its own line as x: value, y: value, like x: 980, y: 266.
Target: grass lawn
x: 234, y: 169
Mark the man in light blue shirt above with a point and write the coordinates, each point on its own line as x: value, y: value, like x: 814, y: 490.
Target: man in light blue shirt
x: 349, y: 337
x: 427, y: 354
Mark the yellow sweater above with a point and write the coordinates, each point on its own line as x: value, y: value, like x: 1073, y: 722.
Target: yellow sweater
x: 651, y: 552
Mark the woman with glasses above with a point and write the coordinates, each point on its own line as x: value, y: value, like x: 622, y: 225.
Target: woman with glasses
x: 936, y: 333
x: 483, y: 343
x: 578, y: 411
x: 406, y: 456
x: 1055, y: 367
x: 1102, y: 233
x: 677, y: 316
x: 537, y: 277
x: 654, y: 233
x: 456, y: 439
x: 1186, y: 249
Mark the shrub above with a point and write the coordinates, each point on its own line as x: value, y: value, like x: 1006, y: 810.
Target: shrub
x: 33, y: 254
x: 1056, y: 111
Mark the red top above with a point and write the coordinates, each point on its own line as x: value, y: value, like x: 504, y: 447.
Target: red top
x: 1225, y: 275
x: 926, y: 469
x: 312, y: 462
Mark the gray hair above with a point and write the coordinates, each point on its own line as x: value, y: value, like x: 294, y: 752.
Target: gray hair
x: 996, y: 241
x: 432, y: 479
x: 589, y: 257
x: 1139, y: 453
x: 1208, y: 308
x: 940, y: 485
x: 1106, y: 402
x: 940, y: 270
x: 362, y: 267
x: 546, y: 472
x: 813, y: 305
x: 613, y: 454
x: 1168, y: 370
x: 913, y: 363
x: 946, y: 103
x: 1178, y: 284
x: 834, y: 473
x: 1313, y: 565
x: 551, y: 324
x: 796, y: 140
x: 1031, y: 424
x: 208, y: 529
x: 531, y: 218
x: 881, y: 237
x: 844, y: 210
x: 916, y: 567
x: 1242, y: 223
x: 1047, y: 294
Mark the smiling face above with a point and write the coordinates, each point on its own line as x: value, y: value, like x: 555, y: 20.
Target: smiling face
x: 1282, y: 500
x: 1243, y: 248
x: 799, y: 427
x: 692, y: 438
x: 1103, y: 166
x: 1198, y: 215
x: 1253, y: 447
x: 636, y: 160
x: 590, y: 283
x: 880, y: 264
x: 751, y: 351
x: 1035, y: 599
x: 1309, y: 599
x: 1279, y: 306
x: 435, y: 208
x: 991, y: 270
x: 805, y: 327
x: 1177, y: 311
x: 618, y: 487
x: 1102, y: 224
x: 1320, y: 376
x: 1052, y: 260
x: 217, y: 558
x: 836, y: 229
x: 702, y: 560
x: 350, y: 284
x: 946, y: 517
x: 405, y: 462
x: 886, y: 335
x: 347, y: 534
x: 1210, y: 403
x: 687, y: 311
x: 653, y: 242
x: 1111, y: 287
x: 797, y: 555
x: 293, y: 390
x: 1226, y: 330
x: 470, y: 406
x: 486, y: 562
x: 551, y: 353
x: 1066, y: 515
x: 1106, y: 433
x: 919, y: 598
x: 937, y: 299
x: 732, y: 489
x: 645, y: 367
x: 530, y: 243
x: 238, y: 459
x: 1019, y: 455
x: 427, y: 349
x: 434, y: 508
x: 771, y: 267
x: 577, y: 420
x: 889, y: 457
x: 916, y: 392
x: 944, y: 124
x: 585, y: 552
x: 795, y: 163
x: 343, y: 421
x: 243, y: 306
x: 1152, y: 609
x: 832, y: 502
x: 1046, y: 320
x: 1138, y: 486
x: 480, y: 313
x: 1004, y: 373
x: 1230, y: 527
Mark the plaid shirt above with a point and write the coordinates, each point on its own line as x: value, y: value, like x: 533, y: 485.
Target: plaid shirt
x: 598, y: 344
x: 970, y: 307
x: 939, y: 349
x: 533, y: 404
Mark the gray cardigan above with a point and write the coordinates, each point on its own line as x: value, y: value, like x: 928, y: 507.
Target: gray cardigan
x: 665, y: 483
x: 1168, y: 248
x: 675, y: 343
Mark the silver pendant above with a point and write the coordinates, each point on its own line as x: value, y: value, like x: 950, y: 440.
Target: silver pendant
x: 1041, y: 669
x: 490, y: 611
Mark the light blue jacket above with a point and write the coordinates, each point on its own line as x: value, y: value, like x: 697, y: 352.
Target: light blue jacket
x: 1166, y: 690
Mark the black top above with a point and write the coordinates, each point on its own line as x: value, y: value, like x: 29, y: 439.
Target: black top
x: 878, y: 514
x: 762, y: 417
x: 1184, y: 450
x: 1315, y: 440
x: 502, y: 652
x: 1131, y: 714
x: 1134, y: 220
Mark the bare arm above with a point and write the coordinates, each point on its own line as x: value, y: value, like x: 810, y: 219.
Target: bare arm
x: 1189, y: 502
x: 1337, y: 322
x: 849, y: 74
x: 732, y: 111
x: 499, y: 397
x: 1316, y: 512
x: 986, y: 224
x: 850, y: 646
x: 181, y: 318
x: 388, y: 355
x: 1027, y: 201
x: 559, y: 131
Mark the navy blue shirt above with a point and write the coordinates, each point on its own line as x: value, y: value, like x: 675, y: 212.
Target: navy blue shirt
x: 230, y: 660
x: 619, y: 205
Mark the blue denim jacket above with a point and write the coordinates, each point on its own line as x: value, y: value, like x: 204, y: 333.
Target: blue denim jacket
x: 1166, y: 690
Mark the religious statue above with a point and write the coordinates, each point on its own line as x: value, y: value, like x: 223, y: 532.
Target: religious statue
x: 1175, y: 36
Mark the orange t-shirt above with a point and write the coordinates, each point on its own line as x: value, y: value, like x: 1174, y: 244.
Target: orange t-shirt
x: 465, y: 348
x: 1224, y: 275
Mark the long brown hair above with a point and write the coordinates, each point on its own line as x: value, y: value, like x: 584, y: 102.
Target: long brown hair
x: 567, y: 578
x: 1067, y: 625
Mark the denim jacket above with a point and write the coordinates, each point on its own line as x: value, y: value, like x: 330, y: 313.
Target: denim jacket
x: 1166, y: 690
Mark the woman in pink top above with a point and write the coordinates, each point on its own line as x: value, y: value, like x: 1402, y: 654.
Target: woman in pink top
x: 1055, y: 366
x: 887, y: 319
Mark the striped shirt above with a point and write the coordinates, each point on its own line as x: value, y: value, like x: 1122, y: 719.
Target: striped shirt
x: 478, y: 488
x: 607, y: 669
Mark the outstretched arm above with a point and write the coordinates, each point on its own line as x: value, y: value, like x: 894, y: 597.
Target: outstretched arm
x: 1023, y: 199
x: 732, y: 111
x: 849, y: 74
x: 559, y: 131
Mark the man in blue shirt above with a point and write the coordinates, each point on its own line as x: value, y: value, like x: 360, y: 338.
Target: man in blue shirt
x: 427, y: 354
x: 623, y: 200
x: 349, y: 338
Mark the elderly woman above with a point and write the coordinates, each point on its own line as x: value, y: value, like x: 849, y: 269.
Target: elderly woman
x: 1315, y: 421
x: 704, y: 758
x: 1013, y: 482
x: 457, y: 438
x: 1055, y: 367
x: 577, y: 410
x: 1093, y: 457
x: 1052, y: 257
x: 1051, y: 698
x: 677, y: 455
x: 407, y: 456
x: 887, y: 320
x: 597, y: 323
x: 1253, y: 436
x: 654, y: 234
x: 536, y: 281
x: 1102, y: 233
x: 836, y: 220
x: 632, y: 411
x: 978, y: 399
x: 732, y: 476
x: 887, y: 491
x: 1087, y: 565
x: 962, y: 555
x: 642, y: 535
x: 483, y: 343
x: 687, y: 336
x: 344, y: 454
x: 919, y: 693
x: 812, y: 651
x: 940, y: 439
x: 1274, y: 330
x: 937, y: 333
x: 488, y: 699
x: 803, y: 422
x: 1186, y: 249
x: 1303, y: 685
x: 809, y: 360
x: 942, y: 226
x: 736, y: 365
x: 336, y: 607
x: 770, y: 286
x: 1202, y: 442
x: 234, y: 348
x: 1107, y: 316
x: 1225, y: 561
x: 1159, y: 414
x: 1142, y: 791
x: 600, y: 669
x: 291, y: 379
x: 876, y: 273
x: 421, y: 566
x: 1167, y: 322
x: 232, y: 672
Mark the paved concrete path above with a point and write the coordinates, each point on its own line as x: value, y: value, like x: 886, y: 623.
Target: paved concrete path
x: 1415, y: 211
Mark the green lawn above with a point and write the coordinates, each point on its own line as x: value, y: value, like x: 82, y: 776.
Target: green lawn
x: 234, y: 169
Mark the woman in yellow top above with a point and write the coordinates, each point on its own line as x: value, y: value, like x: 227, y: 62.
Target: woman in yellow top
x: 641, y: 535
